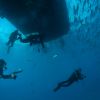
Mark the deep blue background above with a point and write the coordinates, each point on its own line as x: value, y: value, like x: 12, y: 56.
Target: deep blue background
x: 42, y: 71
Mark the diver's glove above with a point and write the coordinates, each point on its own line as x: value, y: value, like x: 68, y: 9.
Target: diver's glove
x: 13, y: 76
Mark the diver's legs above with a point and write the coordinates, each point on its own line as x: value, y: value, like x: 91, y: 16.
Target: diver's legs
x: 57, y: 88
x: 10, y: 45
x: 8, y: 50
x: 42, y: 44
x: 68, y: 84
x: 41, y: 40
x: 8, y: 42
x: 63, y: 82
x: 60, y: 85
x: 31, y: 43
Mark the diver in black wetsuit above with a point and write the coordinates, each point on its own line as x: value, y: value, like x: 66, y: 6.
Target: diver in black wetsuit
x: 13, y: 37
x: 3, y: 67
x: 33, y: 39
x: 76, y: 76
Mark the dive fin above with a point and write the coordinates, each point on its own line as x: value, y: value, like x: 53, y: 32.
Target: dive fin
x: 57, y: 88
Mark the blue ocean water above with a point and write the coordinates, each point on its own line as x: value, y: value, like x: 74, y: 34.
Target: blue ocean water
x: 79, y: 48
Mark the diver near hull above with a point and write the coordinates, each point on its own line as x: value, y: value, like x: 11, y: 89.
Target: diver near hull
x: 13, y: 37
x: 33, y: 39
x: 48, y: 17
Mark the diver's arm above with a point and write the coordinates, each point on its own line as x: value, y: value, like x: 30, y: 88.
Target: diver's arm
x: 24, y: 40
x: 18, y: 71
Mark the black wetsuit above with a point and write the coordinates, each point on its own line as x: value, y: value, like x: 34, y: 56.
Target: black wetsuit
x: 73, y: 78
x: 33, y: 39
x: 13, y: 37
x: 2, y: 67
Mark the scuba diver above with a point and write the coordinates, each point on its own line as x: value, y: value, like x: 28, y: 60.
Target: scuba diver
x: 13, y: 37
x: 33, y: 39
x: 76, y: 76
x: 3, y: 68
